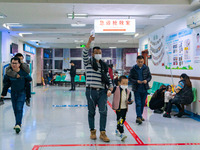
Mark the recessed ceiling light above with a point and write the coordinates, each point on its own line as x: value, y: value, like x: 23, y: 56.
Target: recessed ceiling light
x: 136, y: 34
x: 34, y: 40
x: 122, y: 41
x: 14, y: 24
x: 77, y: 15
x: 78, y: 25
x: 112, y: 47
x: 21, y: 34
x: 159, y: 16
x: 129, y: 33
x: 78, y: 41
x: 6, y: 26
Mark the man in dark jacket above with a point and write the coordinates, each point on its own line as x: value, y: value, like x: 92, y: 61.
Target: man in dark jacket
x: 72, y: 74
x: 18, y: 90
x: 139, y: 77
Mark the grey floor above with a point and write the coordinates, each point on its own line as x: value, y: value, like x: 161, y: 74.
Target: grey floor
x: 57, y: 120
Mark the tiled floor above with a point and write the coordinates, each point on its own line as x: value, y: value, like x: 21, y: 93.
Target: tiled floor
x: 57, y: 120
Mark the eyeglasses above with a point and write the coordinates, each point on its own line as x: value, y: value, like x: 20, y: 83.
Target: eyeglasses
x: 14, y: 63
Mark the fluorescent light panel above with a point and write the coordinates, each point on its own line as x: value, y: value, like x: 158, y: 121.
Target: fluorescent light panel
x: 78, y: 25
x: 112, y: 47
x: 136, y: 34
x: 78, y: 41
x: 159, y: 16
x: 34, y: 40
x: 6, y: 26
x: 21, y: 34
x: 122, y: 41
x: 77, y: 15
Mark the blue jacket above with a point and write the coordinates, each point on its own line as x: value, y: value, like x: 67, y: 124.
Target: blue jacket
x: 16, y: 84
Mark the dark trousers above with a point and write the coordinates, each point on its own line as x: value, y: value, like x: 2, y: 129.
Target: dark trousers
x: 166, y: 106
x: 94, y: 98
x: 171, y: 102
x: 72, y: 83
x: 140, y: 102
x: 121, y: 118
x: 28, y: 89
x: 18, y: 100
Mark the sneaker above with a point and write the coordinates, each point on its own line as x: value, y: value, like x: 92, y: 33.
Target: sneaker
x: 1, y: 102
x: 16, y: 125
x: 167, y: 115
x: 28, y: 102
x: 117, y: 133
x: 143, y: 119
x: 17, y: 129
x: 139, y: 120
x: 123, y: 137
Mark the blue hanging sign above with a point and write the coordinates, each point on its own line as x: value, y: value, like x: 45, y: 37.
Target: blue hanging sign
x: 29, y: 49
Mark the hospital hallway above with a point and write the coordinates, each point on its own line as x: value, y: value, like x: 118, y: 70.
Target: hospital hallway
x: 57, y: 120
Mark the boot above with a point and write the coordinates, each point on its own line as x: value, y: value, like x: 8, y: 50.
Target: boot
x: 93, y: 134
x: 104, y: 137
x: 139, y: 120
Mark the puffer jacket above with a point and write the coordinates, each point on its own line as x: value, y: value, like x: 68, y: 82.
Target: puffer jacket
x: 133, y: 77
x: 185, y: 96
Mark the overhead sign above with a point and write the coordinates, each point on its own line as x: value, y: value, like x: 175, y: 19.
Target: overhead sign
x: 114, y: 26
x: 29, y: 49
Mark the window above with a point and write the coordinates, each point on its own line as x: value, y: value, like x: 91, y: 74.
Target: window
x: 106, y: 52
x: 78, y: 64
x: 58, y: 52
x: 58, y: 64
x: 47, y: 63
x: 48, y: 53
x: 75, y: 52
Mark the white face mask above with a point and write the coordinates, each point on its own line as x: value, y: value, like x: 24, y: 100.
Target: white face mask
x: 124, y: 87
x: 97, y: 56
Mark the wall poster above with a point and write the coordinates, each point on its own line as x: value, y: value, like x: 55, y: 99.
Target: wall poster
x: 179, y: 51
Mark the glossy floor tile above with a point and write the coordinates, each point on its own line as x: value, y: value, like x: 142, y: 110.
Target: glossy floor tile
x: 57, y: 120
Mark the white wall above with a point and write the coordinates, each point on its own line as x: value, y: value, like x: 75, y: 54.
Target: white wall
x: 7, y: 40
x: 167, y: 30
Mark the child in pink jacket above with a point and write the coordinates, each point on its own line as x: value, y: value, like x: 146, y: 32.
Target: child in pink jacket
x: 121, y: 99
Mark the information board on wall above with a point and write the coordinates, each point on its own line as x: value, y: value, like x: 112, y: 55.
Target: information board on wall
x: 178, y: 47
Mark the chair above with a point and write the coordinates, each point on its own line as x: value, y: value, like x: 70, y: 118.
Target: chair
x: 83, y: 78
x: 58, y: 79
x: 77, y: 79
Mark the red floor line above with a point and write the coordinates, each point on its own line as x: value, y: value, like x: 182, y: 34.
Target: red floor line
x: 135, y: 136
x: 89, y: 145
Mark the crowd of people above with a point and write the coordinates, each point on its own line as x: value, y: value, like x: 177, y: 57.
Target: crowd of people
x: 101, y: 83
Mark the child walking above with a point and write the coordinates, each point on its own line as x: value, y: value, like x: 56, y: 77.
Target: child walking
x: 121, y: 99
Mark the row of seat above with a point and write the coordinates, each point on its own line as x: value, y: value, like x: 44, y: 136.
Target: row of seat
x: 78, y: 78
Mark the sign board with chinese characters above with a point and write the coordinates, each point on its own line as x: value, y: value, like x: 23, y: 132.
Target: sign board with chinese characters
x: 114, y: 26
x: 29, y: 49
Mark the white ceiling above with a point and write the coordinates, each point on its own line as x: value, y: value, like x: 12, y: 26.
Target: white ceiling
x: 48, y: 21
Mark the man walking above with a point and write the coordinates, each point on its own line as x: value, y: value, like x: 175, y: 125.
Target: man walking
x: 17, y: 90
x: 140, y: 76
x: 98, y: 87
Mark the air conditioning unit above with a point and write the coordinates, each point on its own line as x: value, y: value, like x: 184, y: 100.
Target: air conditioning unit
x: 194, y: 20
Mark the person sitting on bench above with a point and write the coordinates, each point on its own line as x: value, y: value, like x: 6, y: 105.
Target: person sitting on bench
x: 184, y: 95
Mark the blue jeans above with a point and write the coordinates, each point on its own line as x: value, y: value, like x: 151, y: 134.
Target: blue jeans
x: 140, y: 102
x: 99, y: 98
x: 18, y: 100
